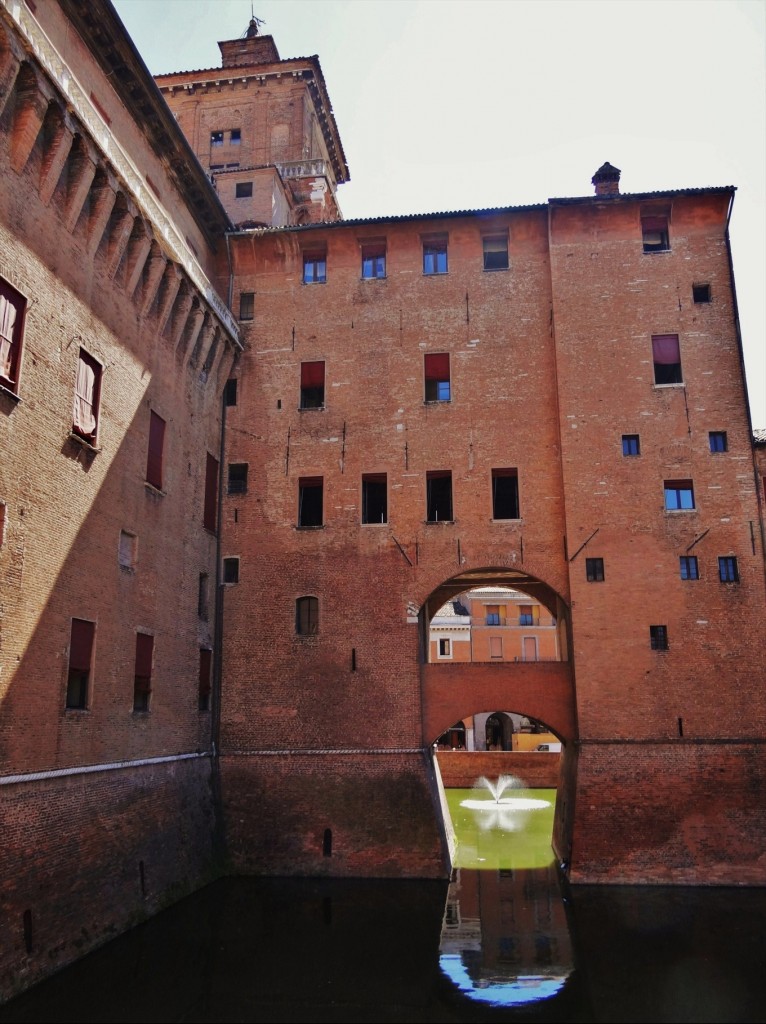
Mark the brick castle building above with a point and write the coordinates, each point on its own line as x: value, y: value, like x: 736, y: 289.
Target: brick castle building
x: 244, y: 466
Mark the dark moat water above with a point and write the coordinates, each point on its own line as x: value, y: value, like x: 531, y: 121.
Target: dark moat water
x: 504, y: 941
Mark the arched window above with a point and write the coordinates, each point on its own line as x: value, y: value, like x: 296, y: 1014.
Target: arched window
x: 307, y: 616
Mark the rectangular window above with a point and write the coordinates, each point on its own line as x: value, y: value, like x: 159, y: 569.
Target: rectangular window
x: 128, y: 550
x: 243, y: 190
x: 439, y: 496
x: 12, y: 307
x: 445, y: 648
x: 594, y: 570
x: 3, y: 512
x: 373, y: 260
x: 87, y: 396
x: 529, y: 615
x: 496, y: 647
x: 246, y: 305
x: 374, y: 498
x: 154, y: 455
x: 701, y: 292
x: 310, y: 500
x: 210, y: 511
x: 728, y: 570
x: 666, y: 354
x: 689, y: 567
x: 655, y: 234
x: 235, y: 138
x: 230, y: 392
x: 718, y: 441
x: 216, y: 139
x: 631, y: 445
x: 435, y: 257
x: 658, y: 638
x: 495, y: 252
x: 505, y: 494
x: 437, y: 377
x: 315, y: 267
x: 80, y: 658
x: 307, y: 616
x: 231, y: 570
x: 237, y: 478
x: 679, y: 495
x: 202, y: 596
x: 204, y: 684
x: 312, y: 385
x: 492, y: 615
x: 142, y: 679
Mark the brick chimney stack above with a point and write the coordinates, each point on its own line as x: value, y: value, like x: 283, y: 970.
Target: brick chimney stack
x: 607, y: 180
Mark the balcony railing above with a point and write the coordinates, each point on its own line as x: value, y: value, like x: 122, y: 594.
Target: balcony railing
x: 303, y: 169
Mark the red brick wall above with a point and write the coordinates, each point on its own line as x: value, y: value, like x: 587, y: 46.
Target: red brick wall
x: 461, y: 769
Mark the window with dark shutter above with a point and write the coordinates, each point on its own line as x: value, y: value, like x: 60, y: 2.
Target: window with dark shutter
x: 210, y: 512
x: 156, y: 445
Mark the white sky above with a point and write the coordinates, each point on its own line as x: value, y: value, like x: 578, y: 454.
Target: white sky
x: 465, y: 104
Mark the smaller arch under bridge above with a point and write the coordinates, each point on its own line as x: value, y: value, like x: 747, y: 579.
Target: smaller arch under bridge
x: 543, y: 690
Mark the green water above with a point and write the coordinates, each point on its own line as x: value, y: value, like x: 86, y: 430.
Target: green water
x: 510, y: 834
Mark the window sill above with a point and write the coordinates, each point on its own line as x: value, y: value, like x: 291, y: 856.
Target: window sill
x: 83, y: 443
x: 680, y: 384
x: 380, y: 277
x: 495, y: 270
x: 679, y: 511
x: 157, y: 491
x: 439, y: 273
x: 129, y: 570
x: 439, y: 522
x: 312, y: 283
x: 312, y: 408
x: 140, y: 712
x: 8, y: 392
x: 375, y: 525
x: 76, y: 711
x: 516, y: 521
x: 655, y: 252
x: 437, y: 401
x: 320, y: 526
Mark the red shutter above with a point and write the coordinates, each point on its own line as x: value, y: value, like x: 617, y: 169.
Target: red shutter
x: 156, y: 445
x: 144, y: 651
x: 81, y: 645
x: 312, y: 375
x: 437, y: 366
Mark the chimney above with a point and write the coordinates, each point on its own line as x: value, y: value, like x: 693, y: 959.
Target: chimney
x: 607, y: 180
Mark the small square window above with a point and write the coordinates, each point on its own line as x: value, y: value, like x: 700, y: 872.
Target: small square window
x: 495, y: 252
x: 435, y: 257
x: 373, y: 260
x: 236, y: 136
x: 315, y: 267
x: 594, y: 570
x: 216, y: 138
x: 87, y: 397
x: 307, y: 616
x: 155, y: 451
x: 437, y: 377
x: 243, y: 190
x: 246, y: 305
x: 679, y: 495
x: 701, y: 292
x: 204, y: 683
x: 312, y: 385
x: 310, y: 501
x: 374, y: 498
x: 142, y: 679
x: 237, y: 478
x: 631, y: 445
x: 231, y: 570
x: 231, y: 391
x: 439, y: 496
x: 128, y: 550
x: 666, y: 355
x: 12, y: 308
x: 80, y: 658
x: 655, y: 234
x: 658, y: 638
x: 718, y: 441
x: 445, y: 648
x: 689, y: 567
x: 728, y: 570
x: 505, y: 494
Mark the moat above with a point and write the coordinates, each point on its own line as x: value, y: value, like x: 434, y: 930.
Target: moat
x: 506, y: 940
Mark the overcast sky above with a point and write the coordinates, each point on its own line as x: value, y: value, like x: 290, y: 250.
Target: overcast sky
x: 454, y: 105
